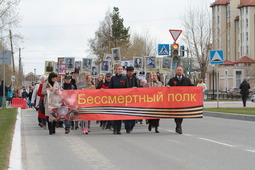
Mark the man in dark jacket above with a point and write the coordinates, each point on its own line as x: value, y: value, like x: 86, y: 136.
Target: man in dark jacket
x: 179, y: 80
x: 118, y: 81
x: 132, y: 82
x: 244, y: 86
x: 105, y: 85
x: 68, y: 86
x: 24, y: 94
x: 2, y: 93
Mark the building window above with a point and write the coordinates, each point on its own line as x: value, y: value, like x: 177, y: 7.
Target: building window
x: 246, y: 8
x: 247, y: 50
x: 247, y: 37
x: 218, y: 8
x: 238, y: 78
x: 218, y: 19
x: 247, y: 23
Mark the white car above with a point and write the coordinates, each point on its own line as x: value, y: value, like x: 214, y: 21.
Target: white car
x: 253, y: 98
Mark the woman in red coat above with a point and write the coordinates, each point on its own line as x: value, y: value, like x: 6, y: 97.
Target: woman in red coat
x: 40, y: 115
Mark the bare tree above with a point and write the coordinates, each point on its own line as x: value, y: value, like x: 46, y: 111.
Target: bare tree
x: 142, y: 45
x: 198, y: 35
x: 111, y: 33
x: 8, y: 13
x: 102, y: 42
x: 9, y: 18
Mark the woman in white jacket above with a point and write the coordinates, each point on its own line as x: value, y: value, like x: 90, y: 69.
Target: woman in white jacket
x: 203, y: 85
x: 52, y: 86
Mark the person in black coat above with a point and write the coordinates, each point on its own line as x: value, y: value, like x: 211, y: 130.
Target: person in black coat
x: 2, y: 88
x: 133, y: 82
x: 179, y: 80
x: 118, y: 81
x: 24, y: 94
x: 244, y: 86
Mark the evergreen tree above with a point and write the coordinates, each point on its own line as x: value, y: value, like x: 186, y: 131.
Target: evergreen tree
x: 120, y: 34
x: 111, y: 33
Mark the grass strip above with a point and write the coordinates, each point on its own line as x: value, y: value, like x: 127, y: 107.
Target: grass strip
x: 7, y: 124
x: 241, y: 110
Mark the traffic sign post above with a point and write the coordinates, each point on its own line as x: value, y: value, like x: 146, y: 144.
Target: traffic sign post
x: 5, y: 59
x: 217, y: 57
x: 175, y: 34
x: 13, y: 78
x: 163, y: 49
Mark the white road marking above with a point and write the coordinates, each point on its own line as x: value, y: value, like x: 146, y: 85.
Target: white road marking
x: 220, y: 143
x: 249, y: 150
x: 189, y: 135
x: 170, y: 130
x: 173, y: 141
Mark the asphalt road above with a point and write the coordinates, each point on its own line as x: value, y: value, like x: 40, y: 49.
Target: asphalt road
x: 207, y: 143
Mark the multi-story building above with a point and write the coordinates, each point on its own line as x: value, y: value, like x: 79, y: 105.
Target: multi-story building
x: 233, y: 28
x: 233, y: 31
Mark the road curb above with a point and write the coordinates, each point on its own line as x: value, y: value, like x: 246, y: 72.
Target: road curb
x: 15, y: 156
x: 230, y: 116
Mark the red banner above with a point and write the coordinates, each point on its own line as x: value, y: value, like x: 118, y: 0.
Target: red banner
x: 134, y: 103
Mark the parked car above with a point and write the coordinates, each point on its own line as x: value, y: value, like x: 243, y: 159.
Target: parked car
x: 253, y: 98
x: 233, y: 92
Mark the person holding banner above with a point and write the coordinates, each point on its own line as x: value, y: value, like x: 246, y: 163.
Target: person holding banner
x: 68, y: 86
x: 85, y: 125
x: 133, y: 82
x: 118, y: 81
x: 50, y: 85
x: 154, y: 83
x: 179, y: 80
x: 105, y: 85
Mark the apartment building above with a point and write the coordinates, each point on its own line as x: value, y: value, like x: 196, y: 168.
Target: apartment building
x: 233, y: 31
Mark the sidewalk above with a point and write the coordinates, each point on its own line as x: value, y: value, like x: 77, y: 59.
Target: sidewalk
x: 230, y: 104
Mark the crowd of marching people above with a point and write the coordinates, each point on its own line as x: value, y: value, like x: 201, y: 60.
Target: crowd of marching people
x: 36, y: 96
x: 20, y: 92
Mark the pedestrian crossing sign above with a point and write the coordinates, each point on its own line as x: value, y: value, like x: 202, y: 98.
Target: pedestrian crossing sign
x: 163, y: 49
x: 216, y: 57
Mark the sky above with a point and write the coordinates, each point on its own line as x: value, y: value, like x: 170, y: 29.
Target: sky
x: 61, y: 28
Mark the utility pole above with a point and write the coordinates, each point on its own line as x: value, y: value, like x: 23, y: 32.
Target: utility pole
x: 13, y: 66
x: 20, y: 68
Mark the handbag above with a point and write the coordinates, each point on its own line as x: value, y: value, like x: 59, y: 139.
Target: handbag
x: 42, y: 107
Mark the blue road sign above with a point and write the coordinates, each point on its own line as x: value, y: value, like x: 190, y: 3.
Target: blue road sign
x: 163, y: 49
x: 216, y: 57
x: 5, y: 57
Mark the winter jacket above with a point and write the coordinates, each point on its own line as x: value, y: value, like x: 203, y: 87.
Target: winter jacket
x: 119, y: 81
x: 183, y: 82
x: 244, y: 86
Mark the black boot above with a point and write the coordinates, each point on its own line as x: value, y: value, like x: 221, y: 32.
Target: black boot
x: 50, y: 128
x: 53, y: 127
x: 149, y: 127
x: 178, y: 129
x: 156, y: 130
